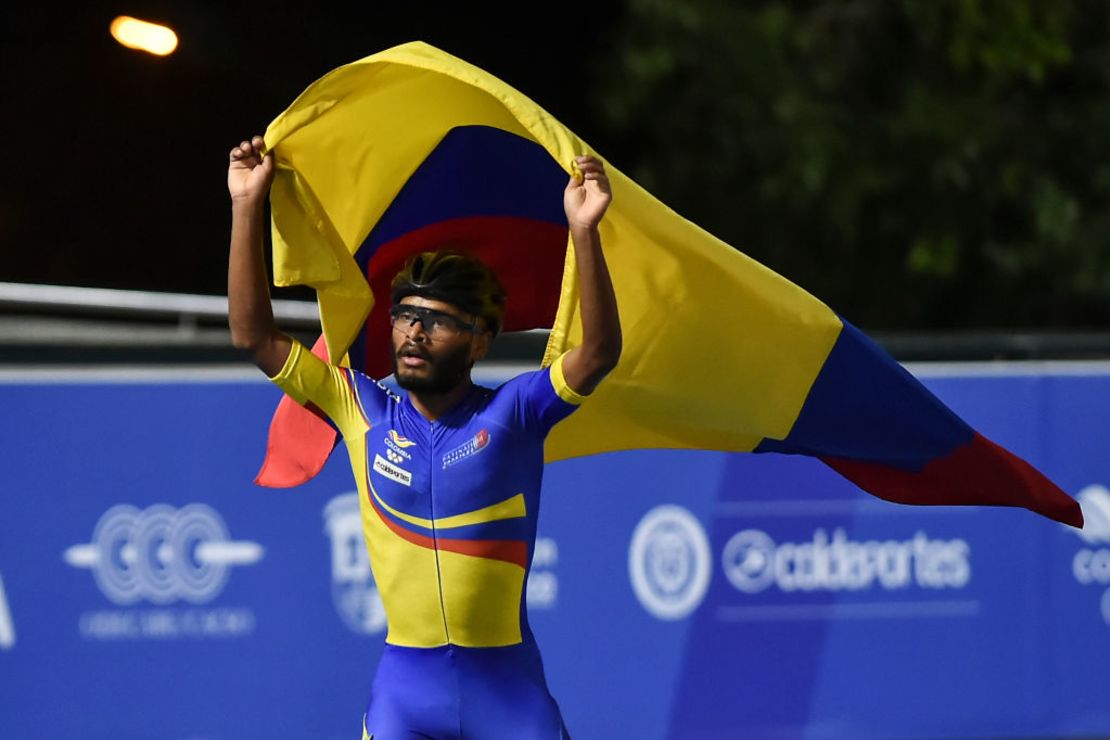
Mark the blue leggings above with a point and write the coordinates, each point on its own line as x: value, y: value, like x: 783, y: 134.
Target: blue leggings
x: 458, y: 693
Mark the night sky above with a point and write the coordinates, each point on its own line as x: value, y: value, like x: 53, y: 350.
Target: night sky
x: 115, y: 160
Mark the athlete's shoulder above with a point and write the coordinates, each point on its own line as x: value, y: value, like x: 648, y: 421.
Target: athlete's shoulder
x: 370, y: 385
x: 519, y: 385
x: 375, y: 397
x: 528, y: 401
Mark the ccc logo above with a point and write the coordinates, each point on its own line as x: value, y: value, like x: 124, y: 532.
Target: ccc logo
x: 161, y: 554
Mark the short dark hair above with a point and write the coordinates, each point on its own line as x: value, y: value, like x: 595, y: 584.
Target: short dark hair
x: 457, y: 278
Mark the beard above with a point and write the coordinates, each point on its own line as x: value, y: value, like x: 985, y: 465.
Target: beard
x: 447, y: 372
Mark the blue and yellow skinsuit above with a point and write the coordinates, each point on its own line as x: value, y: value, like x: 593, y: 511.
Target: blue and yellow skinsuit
x: 449, y: 516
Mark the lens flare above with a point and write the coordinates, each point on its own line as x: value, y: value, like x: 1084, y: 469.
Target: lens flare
x: 149, y: 37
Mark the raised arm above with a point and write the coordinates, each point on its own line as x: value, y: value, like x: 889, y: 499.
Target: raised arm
x: 250, y: 315
x: 585, y: 203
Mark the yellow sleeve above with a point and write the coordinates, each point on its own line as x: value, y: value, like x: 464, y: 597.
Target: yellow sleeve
x: 307, y: 379
x: 559, y: 381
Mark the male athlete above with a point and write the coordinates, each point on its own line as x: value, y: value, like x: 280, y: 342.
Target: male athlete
x: 448, y: 476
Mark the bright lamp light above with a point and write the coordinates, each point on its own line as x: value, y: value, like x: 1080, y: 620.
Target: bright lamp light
x: 144, y: 36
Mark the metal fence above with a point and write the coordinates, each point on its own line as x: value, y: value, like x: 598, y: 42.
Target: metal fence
x: 56, y: 324
x: 50, y: 324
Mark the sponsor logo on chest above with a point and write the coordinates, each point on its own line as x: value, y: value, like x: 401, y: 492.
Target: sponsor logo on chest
x: 398, y: 446
x: 391, y: 471
x: 470, y: 447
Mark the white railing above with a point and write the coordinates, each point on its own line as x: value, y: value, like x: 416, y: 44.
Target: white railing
x: 189, y: 308
x: 185, y: 306
x: 48, y: 318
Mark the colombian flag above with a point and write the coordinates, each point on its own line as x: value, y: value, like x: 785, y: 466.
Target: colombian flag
x: 413, y: 149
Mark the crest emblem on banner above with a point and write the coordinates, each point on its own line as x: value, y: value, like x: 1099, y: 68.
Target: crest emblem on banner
x: 353, y: 589
x: 669, y: 562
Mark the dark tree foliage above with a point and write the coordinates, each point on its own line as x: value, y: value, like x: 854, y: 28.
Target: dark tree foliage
x: 915, y: 164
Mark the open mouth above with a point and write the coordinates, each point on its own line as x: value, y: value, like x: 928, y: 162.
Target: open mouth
x: 413, y: 357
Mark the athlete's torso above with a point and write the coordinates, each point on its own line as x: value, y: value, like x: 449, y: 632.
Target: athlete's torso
x: 451, y: 520
x: 448, y: 506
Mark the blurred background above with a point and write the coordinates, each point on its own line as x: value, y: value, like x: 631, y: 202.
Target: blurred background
x: 937, y: 171
x: 917, y: 165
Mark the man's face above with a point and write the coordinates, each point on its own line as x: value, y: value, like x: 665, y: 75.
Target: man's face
x: 429, y: 363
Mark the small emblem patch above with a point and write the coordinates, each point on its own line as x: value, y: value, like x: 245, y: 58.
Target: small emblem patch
x: 472, y: 446
x: 400, y: 440
x: 391, y: 471
x: 398, y: 445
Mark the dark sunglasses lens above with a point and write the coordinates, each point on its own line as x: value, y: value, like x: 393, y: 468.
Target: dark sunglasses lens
x: 435, y: 323
x: 402, y: 315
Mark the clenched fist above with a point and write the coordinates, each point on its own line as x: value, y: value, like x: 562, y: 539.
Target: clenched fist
x: 250, y: 173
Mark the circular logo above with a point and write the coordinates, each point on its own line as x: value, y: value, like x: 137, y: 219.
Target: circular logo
x: 162, y: 554
x: 748, y: 560
x: 668, y: 562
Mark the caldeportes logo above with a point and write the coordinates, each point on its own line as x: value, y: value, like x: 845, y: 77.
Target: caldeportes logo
x: 669, y: 562
x: 388, y: 470
x: 1091, y: 565
x: 353, y: 590
x: 752, y: 561
x: 162, y: 555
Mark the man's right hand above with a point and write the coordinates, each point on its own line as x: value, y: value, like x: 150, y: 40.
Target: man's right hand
x: 249, y: 174
x: 249, y: 313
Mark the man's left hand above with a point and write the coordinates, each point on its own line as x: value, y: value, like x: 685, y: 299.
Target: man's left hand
x: 586, y: 200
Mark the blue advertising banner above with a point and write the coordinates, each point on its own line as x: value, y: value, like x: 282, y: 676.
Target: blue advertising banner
x: 148, y: 588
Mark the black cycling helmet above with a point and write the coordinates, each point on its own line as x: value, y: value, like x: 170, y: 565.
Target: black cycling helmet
x: 460, y: 279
